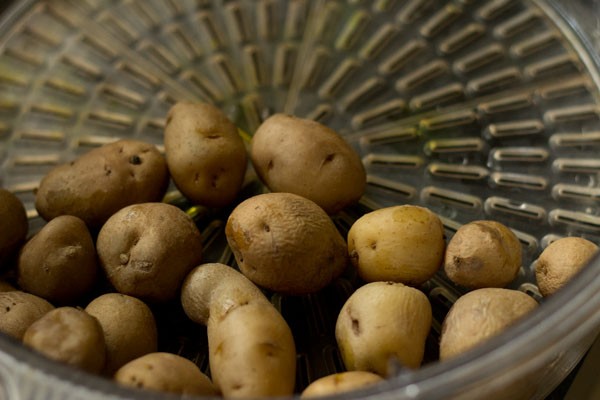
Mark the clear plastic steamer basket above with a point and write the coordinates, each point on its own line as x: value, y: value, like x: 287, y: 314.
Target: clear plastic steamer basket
x: 476, y: 109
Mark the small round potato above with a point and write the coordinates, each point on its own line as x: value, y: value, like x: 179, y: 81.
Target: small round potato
x: 129, y: 328
x: 147, y: 250
x: 59, y: 263
x: 383, y: 322
x: 165, y: 372
x: 483, y: 254
x: 400, y: 243
x: 307, y: 158
x: 13, y: 225
x: 560, y: 261
x: 69, y: 335
x: 205, y: 154
x: 286, y: 243
x: 480, y: 315
x: 340, y: 383
x: 102, y: 181
x: 18, y: 310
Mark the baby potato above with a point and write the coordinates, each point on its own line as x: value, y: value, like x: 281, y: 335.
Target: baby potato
x: 129, y: 328
x: 59, y: 263
x: 146, y: 250
x: 13, y: 225
x: 400, y: 244
x: 560, y: 261
x: 340, y: 383
x: 479, y: 315
x: 165, y: 372
x: 382, y: 322
x: 286, y: 243
x: 69, y: 335
x: 483, y: 254
x: 307, y: 158
x: 18, y: 310
x: 205, y: 154
x: 102, y: 181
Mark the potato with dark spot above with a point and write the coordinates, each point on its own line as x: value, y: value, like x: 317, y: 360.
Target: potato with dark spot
x: 146, y: 250
x: 205, y: 154
x: 13, y: 226
x: 309, y: 159
x: 341, y: 382
x: 59, y: 263
x: 18, y: 310
x: 102, y: 181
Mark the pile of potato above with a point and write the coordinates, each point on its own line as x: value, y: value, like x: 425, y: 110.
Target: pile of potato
x: 84, y: 287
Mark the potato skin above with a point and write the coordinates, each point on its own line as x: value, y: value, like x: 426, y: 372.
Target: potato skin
x: 18, y: 310
x: 286, y: 243
x: 309, y: 159
x: 146, y: 250
x: 340, y: 383
x: 102, y: 181
x: 59, y: 263
x: 205, y: 154
x: 13, y: 226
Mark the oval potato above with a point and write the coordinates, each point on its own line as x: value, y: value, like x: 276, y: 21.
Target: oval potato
x: 340, y: 383
x: 13, y: 225
x: 18, y: 310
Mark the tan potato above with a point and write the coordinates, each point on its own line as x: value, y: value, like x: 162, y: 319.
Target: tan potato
x: 69, y: 335
x: 102, y: 181
x: 383, y: 322
x: 205, y: 154
x: 129, y: 328
x: 479, y: 315
x: 13, y: 226
x: 400, y: 243
x: 146, y: 250
x: 251, y: 348
x: 340, y: 383
x: 307, y: 158
x: 18, y: 310
x: 165, y: 372
x: 59, y: 263
x: 483, y: 254
x: 286, y: 243
x: 560, y: 261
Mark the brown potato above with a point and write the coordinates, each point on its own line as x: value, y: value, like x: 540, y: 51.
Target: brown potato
x: 13, y: 226
x: 286, y: 243
x: 146, y: 250
x: 340, y: 383
x: 102, y: 181
x: 309, y: 159
x: 205, y: 154
x: 18, y: 310
x: 59, y: 263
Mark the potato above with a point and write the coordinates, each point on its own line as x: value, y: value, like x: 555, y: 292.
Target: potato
x: 286, y: 243
x: 59, y: 263
x: 309, y: 159
x: 560, y: 261
x: 483, y: 254
x: 13, y: 226
x: 129, y: 328
x: 69, y: 335
x: 383, y: 322
x: 251, y: 348
x: 340, y: 383
x: 18, y: 310
x: 400, y: 243
x: 146, y: 250
x: 165, y: 372
x: 102, y: 181
x: 205, y: 154
x: 479, y: 315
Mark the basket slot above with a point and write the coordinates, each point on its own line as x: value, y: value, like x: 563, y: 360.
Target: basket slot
x: 555, y: 65
x: 46, y: 37
x: 422, y: 75
x: 479, y: 58
x: 413, y: 10
x: 95, y: 140
x: 493, y: 9
x: 314, y: 67
x: 450, y: 120
x: 124, y: 96
x: 206, y: 21
x: 577, y: 165
x: 23, y: 187
x: 378, y: 42
x: 253, y: 107
x: 388, y: 109
x: 509, y: 103
x: 100, y: 47
x: 440, y: 20
x: 266, y: 20
x: 184, y: 40
x: 575, y: 220
x: 120, y: 29
x: 515, y: 128
x: 570, y: 114
x: 295, y: 20
x: 364, y: 92
x: 530, y: 46
x: 65, y: 87
x: 500, y: 205
x: 517, y: 24
x: 283, y: 69
x: 521, y: 181
x: 354, y: 28
x: 83, y: 67
x: 390, y: 136
x: 398, y: 188
x: 338, y: 78
x: 237, y: 23
x: 52, y: 110
x: 204, y: 86
x: 520, y: 154
x: 402, y: 56
x: 393, y: 160
x: 253, y: 60
x: 321, y: 113
x: 111, y: 119
x: 496, y: 80
x: 139, y: 75
x: 575, y: 192
x: 578, y: 140
x: 462, y: 38
x: 223, y: 67
x: 42, y: 160
x: 159, y: 55
x: 445, y: 94
x: 145, y: 13
x: 462, y: 172
x: 571, y: 87
x: 41, y: 135
x: 434, y: 195
x: 32, y: 59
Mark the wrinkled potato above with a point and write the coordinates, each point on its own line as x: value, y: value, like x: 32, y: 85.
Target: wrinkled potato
x: 483, y: 254
x: 383, y: 322
x: 479, y: 315
x: 146, y: 250
x: 18, y: 310
x: 286, y: 243
x: 69, y: 335
x: 340, y: 383
x: 13, y: 225
x: 102, y: 181
x: 129, y: 328
x: 251, y: 348
x: 205, y: 154
x: 307, y: 158
x: 560, y: 261
x: 59, y: 263
x: 400, y: 243
x: 165, y: 372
